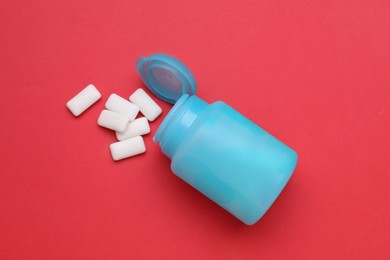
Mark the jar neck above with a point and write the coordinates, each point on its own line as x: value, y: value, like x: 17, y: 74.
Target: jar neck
x: 177, y: 123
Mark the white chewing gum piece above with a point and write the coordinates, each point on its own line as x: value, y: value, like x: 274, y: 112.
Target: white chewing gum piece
x: 113, y: 120
x: 146, y: 104
x: 140, y: 126
x: 128, y: 148
x: 120, y: 105
x: 83, y: 100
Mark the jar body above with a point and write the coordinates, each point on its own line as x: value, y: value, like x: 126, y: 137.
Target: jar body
x: 233, y: 161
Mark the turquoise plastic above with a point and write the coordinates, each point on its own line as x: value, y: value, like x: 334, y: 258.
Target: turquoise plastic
x: 167, y: 77
x: 214, y: 148
x: 226, y: 156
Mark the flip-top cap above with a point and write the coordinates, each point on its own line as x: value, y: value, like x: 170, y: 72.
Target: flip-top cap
x: 167, y: 77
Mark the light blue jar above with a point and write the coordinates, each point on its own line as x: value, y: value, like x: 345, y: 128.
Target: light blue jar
x: 214, y: 148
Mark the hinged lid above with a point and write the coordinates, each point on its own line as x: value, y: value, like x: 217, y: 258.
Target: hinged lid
x: 167, y: 77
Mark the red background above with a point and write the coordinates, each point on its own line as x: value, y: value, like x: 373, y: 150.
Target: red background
x: 316, y: 74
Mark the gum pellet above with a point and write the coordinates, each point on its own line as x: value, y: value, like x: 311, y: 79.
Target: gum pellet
x: 146, y: 104
x: 83, y: 100
x: 120, y: 105
x: 140, y: 126
x: 113, y: 120
x: 128, y: 148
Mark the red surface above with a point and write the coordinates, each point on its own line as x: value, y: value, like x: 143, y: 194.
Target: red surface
x: 316, y: 74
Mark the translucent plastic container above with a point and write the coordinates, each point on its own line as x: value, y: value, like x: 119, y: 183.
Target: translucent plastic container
x: 214, y: 148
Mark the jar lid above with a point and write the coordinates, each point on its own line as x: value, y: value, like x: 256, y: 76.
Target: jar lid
x: 167, y: 77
